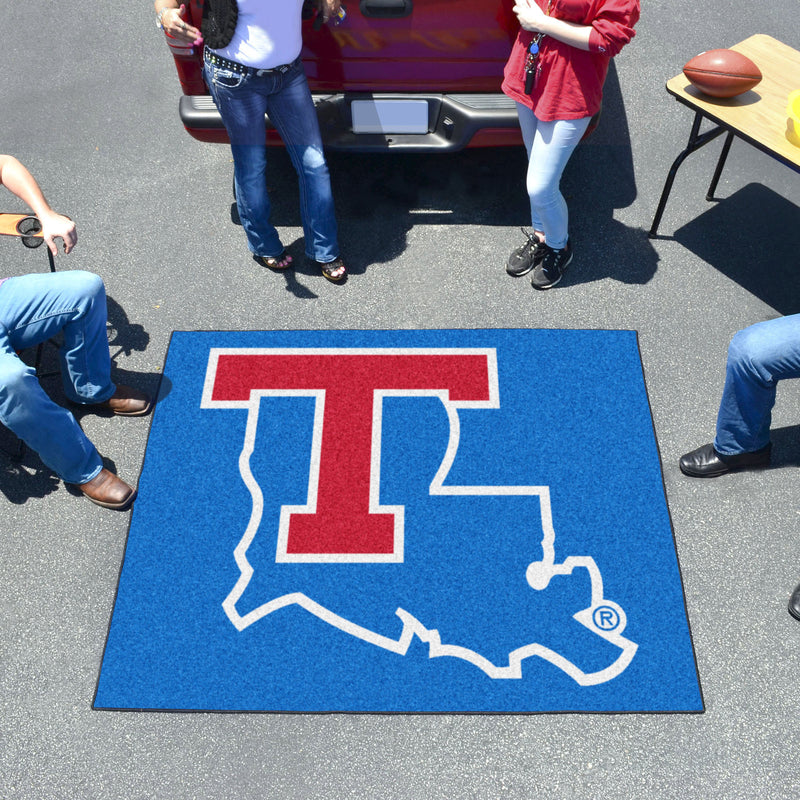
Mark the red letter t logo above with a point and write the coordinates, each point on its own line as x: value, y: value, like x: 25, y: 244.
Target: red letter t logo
x: 343, y: 519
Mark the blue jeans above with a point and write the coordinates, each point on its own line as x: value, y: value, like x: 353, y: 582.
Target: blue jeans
x: 34, y: 308
x: 549, y: 146
x: 243, y: 100
x: 758, y: 357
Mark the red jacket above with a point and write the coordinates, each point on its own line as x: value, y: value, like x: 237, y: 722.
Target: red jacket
x: 570, y: 83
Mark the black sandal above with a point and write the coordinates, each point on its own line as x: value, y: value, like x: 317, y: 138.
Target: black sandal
x: 274, y: 262
x: 328, y: 268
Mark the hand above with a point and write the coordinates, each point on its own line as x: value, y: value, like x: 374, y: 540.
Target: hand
x: 57, y: 226
x: 328, y: 8
x: 175, y: 26
x: 530, y: 16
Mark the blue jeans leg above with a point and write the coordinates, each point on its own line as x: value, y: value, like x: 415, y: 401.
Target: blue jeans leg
x: 758, y: 357
x: 32, y: 309
x: 293, y: 114
x: 549, y: 146
x: 243, y: 100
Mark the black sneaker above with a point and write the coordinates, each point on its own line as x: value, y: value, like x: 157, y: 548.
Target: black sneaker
x: 552, y: 267
x: 525, y: 258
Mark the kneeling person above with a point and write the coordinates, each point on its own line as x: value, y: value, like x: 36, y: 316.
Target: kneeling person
x: 34, y: 308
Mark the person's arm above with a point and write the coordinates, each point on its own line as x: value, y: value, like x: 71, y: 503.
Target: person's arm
x: 20, y: 182
x: 610, y: 31
x: 170, y: 16
x: 532, y: 18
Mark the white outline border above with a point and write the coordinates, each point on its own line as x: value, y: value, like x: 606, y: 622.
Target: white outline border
x: 539, y: 573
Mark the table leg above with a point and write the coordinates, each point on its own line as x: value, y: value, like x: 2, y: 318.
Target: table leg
x: 696, y: 141
x: 720, y: 164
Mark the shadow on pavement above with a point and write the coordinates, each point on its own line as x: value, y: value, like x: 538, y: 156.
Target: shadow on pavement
x: 21, y: 481
x: 380, y: 197
x: 599, y: 179
x: 785, y: 446
x: 753, y: 237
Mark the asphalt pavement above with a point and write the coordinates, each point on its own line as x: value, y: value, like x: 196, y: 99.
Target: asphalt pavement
x: 89, y: 104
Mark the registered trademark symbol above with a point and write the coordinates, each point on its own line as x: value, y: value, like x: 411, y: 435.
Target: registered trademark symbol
x: 606, y: 618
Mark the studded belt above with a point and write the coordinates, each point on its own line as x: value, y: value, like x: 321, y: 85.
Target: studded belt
x: 235, y: 66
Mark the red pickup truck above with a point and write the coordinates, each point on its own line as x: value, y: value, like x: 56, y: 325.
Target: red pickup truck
x: 401, y: 75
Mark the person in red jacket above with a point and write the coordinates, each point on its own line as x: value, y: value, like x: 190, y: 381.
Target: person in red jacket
x: 555, y: 73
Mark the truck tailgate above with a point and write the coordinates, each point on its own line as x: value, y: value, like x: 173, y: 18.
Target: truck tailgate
x: 412, y: 45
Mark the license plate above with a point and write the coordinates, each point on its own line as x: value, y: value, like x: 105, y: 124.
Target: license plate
x: 389, y: 116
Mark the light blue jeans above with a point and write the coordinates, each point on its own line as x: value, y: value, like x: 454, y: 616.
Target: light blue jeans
x: 758, y: 357
x: 243, y: 100
x: 33, y: 308
x: 549, y: 146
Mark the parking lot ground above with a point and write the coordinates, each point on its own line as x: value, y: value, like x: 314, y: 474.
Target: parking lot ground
x: 89, y: 104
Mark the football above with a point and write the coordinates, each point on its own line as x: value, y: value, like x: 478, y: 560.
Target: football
x: 722, y: 73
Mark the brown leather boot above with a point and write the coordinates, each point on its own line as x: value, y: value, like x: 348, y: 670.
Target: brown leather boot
x: 109, y: 491
x: 127, y: 402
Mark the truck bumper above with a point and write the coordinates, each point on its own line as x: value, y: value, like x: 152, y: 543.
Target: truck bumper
x: 454, y: 121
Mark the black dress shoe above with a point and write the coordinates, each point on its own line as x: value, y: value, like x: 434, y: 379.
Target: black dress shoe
x: 794, y: 602
x: 706, y: 462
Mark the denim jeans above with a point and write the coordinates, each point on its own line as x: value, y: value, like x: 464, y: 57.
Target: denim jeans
x: 549, y: 146
x: 34, y: 308
x: 243, y: 100
x: 758, y: 357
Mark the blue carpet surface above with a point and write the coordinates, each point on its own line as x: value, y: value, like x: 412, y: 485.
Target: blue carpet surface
x: 401, y: 521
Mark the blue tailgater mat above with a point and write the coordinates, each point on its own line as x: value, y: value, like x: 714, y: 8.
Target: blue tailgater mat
x: 401, y: 521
